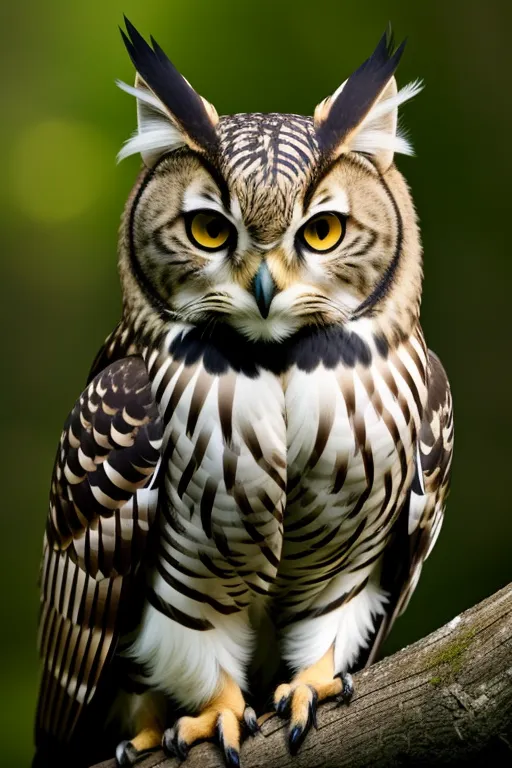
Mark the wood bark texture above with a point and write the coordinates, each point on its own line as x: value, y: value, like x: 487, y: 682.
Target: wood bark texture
x: 446, y: 700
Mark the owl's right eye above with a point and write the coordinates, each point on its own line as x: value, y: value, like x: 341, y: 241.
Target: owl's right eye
x: 209, y: 230
x: 323, y: 232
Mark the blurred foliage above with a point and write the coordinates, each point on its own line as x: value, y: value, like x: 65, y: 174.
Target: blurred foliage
x: 62, y: 194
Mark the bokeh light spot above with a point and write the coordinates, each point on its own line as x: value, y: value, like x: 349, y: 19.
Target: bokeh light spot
x: 58, y: 170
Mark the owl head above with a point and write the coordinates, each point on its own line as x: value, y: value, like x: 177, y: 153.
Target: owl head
x: 270, y: 222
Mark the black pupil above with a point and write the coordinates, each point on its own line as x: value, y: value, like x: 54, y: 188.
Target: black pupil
x: 322, y: 228
x: 214, y: 228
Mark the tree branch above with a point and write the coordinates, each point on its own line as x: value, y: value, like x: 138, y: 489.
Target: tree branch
x: 447, y: 699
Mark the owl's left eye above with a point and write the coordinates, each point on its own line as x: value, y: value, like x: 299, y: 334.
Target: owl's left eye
x: 209, y: 230
x: 322, y: 232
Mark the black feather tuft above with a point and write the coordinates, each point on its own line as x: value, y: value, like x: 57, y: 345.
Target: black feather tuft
x: 160, y: 74
x: 361, y: 91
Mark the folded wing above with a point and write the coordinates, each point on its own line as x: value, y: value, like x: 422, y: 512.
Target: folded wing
x: 102, y: 503
x: 421, y: 518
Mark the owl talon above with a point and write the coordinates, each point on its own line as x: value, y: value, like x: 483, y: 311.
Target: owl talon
x: 299, y: 731
x: 295, y: 739
x: 174, y: 745
x: 251, y: 721
x: 313, y: 706
x: 283, y: 700
x: 222, y: 720
x: 143, y: 744
x: 231, y: 754
x: 232, y: 758
x: 347, y: 690
x: 228, y: 734
x: 127, y: 754
x: 299, y: 699
x: 299, y: 703
x: 283, y: 706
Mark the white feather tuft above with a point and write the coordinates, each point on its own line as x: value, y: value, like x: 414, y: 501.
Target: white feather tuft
x: 376, y: 133
x: 143, y: 95
x: 165, y: 138
x: 386, y: 106
x: 156, y: 133
x: 372, y: 141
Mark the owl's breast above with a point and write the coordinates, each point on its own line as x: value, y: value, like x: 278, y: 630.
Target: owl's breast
x: 351, y: 433
x: 282, y: 466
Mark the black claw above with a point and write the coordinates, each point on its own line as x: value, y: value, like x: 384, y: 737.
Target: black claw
x: 283, y: 706
x: 181, y: 748
x: 126, y: 754
x: 348, y: 688
x: 313, y: 705
x: 232, y: 757
x: 296, y: 737
x: 167, y: 742
x: 251, y: 721
x: 173, y: 745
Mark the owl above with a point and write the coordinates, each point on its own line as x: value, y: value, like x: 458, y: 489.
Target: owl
x: 246, y: 490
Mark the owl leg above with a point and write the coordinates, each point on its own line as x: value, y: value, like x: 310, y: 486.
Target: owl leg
x: 147, y: 714
x: 223, y: 719
x: 298, y: 700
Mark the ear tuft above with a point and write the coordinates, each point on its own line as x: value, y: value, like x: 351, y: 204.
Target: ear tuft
x: 361, y: 115
x: 170, y: 112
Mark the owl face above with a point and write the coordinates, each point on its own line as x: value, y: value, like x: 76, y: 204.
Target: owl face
x: 264, y: 222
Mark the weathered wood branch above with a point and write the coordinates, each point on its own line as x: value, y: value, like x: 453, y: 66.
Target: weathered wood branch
x: 447, y: 699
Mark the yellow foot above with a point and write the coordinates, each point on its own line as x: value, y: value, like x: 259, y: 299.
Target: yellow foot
x: 131, y: 752
x: 223, y: 719
x: 299, y: 699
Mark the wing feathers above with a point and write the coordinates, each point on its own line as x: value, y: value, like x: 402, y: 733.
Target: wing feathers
x: 100, y: 513
x: 421, y: 518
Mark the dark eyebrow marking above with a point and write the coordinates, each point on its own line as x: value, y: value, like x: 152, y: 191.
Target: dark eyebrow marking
x: 209, y: 197
x: 218, y: 179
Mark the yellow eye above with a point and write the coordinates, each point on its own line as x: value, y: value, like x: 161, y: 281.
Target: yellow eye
x: 209, y: 230
x: 323, y: 232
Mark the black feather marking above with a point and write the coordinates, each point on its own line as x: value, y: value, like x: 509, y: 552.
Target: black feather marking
x: 313, y: 613
x: 175, y: 614
x: 308, y: 348
x: 172, y: 89
x: 194, y: 594
x: 206, y: 506
x: 361, y: 91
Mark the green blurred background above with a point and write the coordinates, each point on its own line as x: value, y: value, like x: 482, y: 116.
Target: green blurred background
x: 62, y: 123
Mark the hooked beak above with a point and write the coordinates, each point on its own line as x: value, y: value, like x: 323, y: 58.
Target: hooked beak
x: 263, y: 288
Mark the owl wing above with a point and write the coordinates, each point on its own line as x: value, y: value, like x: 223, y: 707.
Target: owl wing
x: 420, y: 520
x: 102, y: 502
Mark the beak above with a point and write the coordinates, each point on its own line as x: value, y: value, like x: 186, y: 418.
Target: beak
x: 263, y: 288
